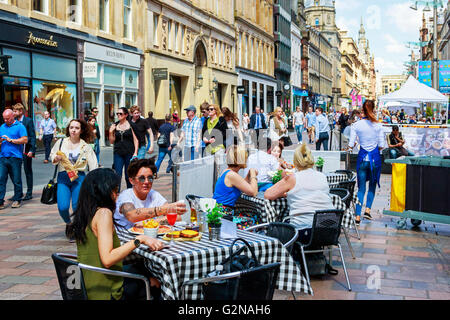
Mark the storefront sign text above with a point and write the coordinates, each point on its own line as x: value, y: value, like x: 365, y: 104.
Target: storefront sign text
x: 33, y: 40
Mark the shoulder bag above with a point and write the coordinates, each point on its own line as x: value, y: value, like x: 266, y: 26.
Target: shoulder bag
x: 49, y: 192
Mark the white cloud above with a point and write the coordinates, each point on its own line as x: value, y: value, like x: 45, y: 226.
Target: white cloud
x: 404, y: 18
x: 388, y: 66
x: 347, y: 24
x: 393, y: 45
x: 347, y: 4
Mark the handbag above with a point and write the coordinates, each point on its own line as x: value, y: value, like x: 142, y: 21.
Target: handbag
x: 228, y: 289
x: 287, y: 141
x: 50, y: 190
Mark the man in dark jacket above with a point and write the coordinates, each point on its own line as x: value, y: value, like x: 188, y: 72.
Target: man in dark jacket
x: 257, y: 122
x: 30, y: 148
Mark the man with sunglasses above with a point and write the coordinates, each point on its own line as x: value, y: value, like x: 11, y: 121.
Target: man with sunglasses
x: 191, y: 131
x: 141, y: 202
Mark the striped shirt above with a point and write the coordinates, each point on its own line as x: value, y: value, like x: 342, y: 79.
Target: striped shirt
x: 192, y: 131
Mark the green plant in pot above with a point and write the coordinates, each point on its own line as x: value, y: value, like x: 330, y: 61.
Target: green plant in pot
x: 319, y: 164
x: 213, y: 218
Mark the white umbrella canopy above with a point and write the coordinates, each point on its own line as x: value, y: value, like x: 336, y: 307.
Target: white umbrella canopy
x: 414, y: 91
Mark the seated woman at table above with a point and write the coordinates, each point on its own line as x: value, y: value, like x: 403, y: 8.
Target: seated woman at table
x: 306, y: 190
x: 277, y: 152
x: 97, y: 241
x: 141, y: 202
x: 231, y: 185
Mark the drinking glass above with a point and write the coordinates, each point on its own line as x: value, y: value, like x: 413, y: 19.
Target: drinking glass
x: 172, y: 218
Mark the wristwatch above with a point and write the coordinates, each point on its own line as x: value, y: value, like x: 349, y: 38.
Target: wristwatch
x: 137, y: 243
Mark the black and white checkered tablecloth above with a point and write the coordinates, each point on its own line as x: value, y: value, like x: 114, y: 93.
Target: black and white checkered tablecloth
x: 193, y: 260
x: 276, y: 210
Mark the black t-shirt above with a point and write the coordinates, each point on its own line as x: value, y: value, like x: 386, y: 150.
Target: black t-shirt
x: 124, y: 144
x: 140, y: 130
x: 154, y: 125
x: 166, y: 129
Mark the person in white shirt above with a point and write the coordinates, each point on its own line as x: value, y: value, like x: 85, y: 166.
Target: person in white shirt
x: 141, y: 202
x: 368, y: 167
x: 322, y: 128
x: 278, y: 130
x: 307, y: 190
x: 299, y: 121
x: 263, y: 161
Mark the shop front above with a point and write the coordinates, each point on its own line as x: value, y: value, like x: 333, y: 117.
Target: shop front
x: 259, y: 92
x: 113, y: 82
x: 42, y: 74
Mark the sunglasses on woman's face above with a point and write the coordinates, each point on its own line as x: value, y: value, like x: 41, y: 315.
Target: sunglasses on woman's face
x: 120, y: 114
x: 142, y: 179
x: 211, y: 109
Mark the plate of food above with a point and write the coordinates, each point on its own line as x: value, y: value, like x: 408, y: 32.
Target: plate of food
x: 138, y: 229
x: 183, y: 235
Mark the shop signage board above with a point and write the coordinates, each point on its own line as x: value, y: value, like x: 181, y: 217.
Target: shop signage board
x: 160, y: 74
x: 4, y: 66
x: 90, y: 69
x: 240, y: 89
x: 111, y: 55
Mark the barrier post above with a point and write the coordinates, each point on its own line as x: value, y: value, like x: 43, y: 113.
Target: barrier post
x: 175, y: 183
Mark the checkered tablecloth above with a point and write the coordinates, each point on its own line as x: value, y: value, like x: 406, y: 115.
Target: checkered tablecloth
x: 276, y: 210
x: 193, y: 260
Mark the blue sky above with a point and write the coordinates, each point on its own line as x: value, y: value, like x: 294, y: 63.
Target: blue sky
x: 389, y: 25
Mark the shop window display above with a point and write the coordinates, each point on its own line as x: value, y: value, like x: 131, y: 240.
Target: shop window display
x: 57, y: 98
x: 112, y: 103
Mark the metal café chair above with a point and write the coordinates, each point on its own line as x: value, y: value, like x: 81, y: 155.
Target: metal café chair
x: 350, y: 186
x: 285, y: 232
x: 344, y: 194
x: 71, y: 280
x: 252, y: 284
x: 325, y: 233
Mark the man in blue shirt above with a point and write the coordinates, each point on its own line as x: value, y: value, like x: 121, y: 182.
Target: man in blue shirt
x: 310, y: 124
x: 322, y: 128
x: 13, y: 137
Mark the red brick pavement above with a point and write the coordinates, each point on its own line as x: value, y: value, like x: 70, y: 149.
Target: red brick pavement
x: 412, y: 264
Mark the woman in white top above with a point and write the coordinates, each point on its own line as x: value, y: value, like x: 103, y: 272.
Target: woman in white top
x: 81, y: 159
x: 277, y: 126
x: 368, y: 167
x: 307, y: 190
x: 232, y: 124
x: 245, y: 122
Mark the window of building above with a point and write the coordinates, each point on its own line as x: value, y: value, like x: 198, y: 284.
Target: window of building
x: 155, y: 28
x: 41, y: 6
x: 75, y: 11
x: 127, y: 19
x: 104, y: 15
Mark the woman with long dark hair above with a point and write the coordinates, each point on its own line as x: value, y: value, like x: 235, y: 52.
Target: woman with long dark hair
x: 370, y: 135
x: 74, y: 158
x: 93, y: 228
x: 126, y: 144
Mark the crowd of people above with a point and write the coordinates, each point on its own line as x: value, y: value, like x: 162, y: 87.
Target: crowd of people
x: 401, y: 117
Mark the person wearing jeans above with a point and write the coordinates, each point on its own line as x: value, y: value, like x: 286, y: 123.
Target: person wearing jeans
x: 141, y: 129
x: 13, y: 137
x: 322, y: 127
x: 299, y: 119
x: 47, y: 131
x: 74, y: 157
x: 166, y: 130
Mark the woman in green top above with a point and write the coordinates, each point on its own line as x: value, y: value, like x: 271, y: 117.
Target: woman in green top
x: 97, y: 241
x: 214, y: 130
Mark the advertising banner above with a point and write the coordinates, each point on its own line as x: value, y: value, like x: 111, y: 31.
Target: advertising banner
x: 444, y: 76
x: 425, y: 72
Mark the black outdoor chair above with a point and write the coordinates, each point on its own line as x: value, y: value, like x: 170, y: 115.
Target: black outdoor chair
x: 71, y: 280
x: 253, y: 284
x: 285, y: 232
x: 325, y: 232
x: 350, y: 174
x: 350, y: 186
x: 246, y: 207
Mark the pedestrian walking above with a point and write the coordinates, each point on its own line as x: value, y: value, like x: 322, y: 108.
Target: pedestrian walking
x: 47, y: 132
x: 257, y: 122
x: 125, y: 142
x: 153, y: 123
x: 310, y: 124
x: 191, y: 134
x: 322, y: 129
x: 176, y: 119
x: 74, y: 158
x: 165, y: 143
x: 29, y: 150
x: 278, y: 129
x: 97, y: 134
x: 245, y: 122
x: 141, y: 128
x: 13, y: 137
x: 368, y: 167
x: 298, y: 123
x: 205, y: 114
x: 234, y: 132
x: 214, y: 130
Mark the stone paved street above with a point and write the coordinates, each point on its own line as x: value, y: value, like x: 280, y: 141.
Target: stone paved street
x: 412, y: 263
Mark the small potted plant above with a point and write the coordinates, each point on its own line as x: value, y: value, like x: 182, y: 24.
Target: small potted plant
x: 277, y: 176
x: 319, y: 164
x: 213, y: 218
